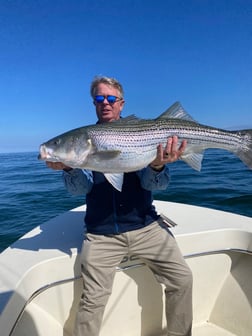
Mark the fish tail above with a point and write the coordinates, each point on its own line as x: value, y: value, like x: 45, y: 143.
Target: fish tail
x: 245, y: 151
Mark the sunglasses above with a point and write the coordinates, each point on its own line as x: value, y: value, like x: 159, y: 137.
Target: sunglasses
x: 111, y: 99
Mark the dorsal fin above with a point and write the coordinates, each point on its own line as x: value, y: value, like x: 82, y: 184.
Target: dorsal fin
x: 176, y: 111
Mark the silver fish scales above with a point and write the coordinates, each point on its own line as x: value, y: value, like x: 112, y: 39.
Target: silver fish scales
x: 130, y: 143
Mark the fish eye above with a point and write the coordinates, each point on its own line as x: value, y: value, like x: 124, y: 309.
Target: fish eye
x: 56, y: 142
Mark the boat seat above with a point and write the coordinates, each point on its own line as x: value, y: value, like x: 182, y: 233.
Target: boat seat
x: 137, y: 304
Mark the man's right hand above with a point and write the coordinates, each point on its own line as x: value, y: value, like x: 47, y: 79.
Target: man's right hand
x: 57, y: 166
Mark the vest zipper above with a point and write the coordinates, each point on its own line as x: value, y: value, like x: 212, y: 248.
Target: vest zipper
x: 115, y: 214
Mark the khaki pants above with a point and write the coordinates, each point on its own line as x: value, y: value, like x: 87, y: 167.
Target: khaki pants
x: 155, y: 246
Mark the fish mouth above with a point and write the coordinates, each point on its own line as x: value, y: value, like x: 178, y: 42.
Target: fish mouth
x: 43, y: 153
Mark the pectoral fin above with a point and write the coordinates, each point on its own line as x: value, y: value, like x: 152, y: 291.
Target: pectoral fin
x: 116, y: 180
x: 106, y: 155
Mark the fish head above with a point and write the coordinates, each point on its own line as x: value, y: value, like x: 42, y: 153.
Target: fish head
x: 70, y: 148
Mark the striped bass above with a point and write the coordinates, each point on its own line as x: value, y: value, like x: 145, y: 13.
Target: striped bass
x: 129, y: 144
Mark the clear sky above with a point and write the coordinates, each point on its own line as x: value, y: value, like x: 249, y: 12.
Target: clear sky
x: 198, y: 52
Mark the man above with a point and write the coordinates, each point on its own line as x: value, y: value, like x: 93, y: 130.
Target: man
x: 121, y: 222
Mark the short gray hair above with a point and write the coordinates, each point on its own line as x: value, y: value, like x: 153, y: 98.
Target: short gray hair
x: 108, y: 81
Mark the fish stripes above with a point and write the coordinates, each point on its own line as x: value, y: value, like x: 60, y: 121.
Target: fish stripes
x: 130, y: 144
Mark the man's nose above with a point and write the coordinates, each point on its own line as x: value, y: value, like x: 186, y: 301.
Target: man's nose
x: 105, y: 101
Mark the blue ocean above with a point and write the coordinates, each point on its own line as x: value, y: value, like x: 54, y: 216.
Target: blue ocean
x: 30, y: 193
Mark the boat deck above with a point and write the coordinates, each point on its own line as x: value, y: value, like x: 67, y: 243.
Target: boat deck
x: 40, y: 282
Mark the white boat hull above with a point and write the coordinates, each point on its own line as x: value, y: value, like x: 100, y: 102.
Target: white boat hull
x: 40, y: 281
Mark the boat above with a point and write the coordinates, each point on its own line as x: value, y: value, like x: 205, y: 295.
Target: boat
x: 40, y: 282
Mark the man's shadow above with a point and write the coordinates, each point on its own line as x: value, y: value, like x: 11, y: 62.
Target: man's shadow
x: 64, y: 233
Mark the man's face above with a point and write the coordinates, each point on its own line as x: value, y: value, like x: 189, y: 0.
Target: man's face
x: 106, y: 111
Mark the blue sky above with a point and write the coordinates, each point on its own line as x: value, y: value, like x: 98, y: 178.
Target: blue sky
x: 198, y: 52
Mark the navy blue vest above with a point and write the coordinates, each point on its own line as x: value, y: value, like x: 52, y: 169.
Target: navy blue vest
x: 112, y: 212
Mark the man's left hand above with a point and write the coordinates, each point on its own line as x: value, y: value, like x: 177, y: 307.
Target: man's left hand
x: 170, y: 153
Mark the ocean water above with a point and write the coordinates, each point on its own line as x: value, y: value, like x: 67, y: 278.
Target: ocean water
x: 30, y: 193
